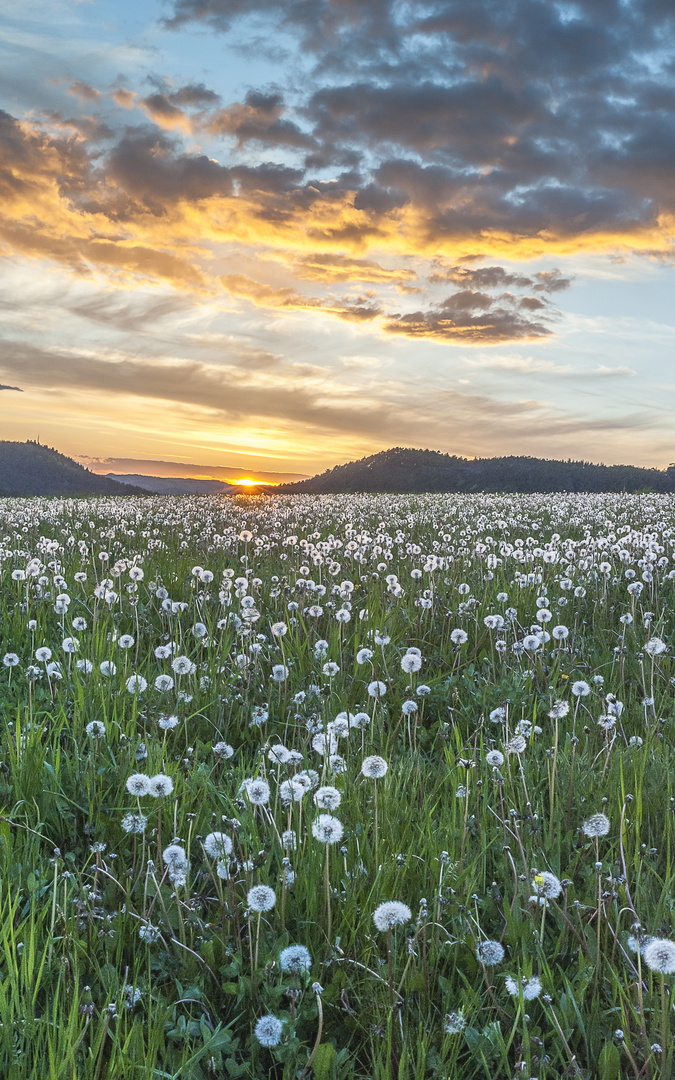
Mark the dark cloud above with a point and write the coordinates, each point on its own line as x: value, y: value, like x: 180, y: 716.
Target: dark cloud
x: 259, y: 118
x: 11, y: 388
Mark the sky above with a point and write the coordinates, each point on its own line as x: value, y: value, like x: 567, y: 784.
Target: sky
x: 284, y: 234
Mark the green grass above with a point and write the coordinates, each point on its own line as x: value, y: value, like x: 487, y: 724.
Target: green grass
x: 457, y: 840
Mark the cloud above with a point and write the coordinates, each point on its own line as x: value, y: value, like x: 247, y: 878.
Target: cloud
x: 11, y: 388
x: 259, y: 118
x: 84, y: 92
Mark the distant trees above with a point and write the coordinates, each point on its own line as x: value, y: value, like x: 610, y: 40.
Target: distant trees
x: 405, y: 470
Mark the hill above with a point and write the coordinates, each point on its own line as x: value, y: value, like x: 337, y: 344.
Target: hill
x: 173, y: 485
x: 404, y: 470
x: 31, y: 469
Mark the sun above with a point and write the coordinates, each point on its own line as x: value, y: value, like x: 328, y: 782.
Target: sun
x: 248, y: 481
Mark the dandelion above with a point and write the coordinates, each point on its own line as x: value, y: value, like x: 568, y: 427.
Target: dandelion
x: 374, y: 767
x: 163, y: 683
x: 654, y: 647
x: 149, y: 933
x: 223, y: 750
x: 160, y: 786
x: 261, y: 898
x: 138, y: 784
x: 411, y: 663
x: 107, y: 668
x: 459, y: 637
x: 376, y: 689
x: 168, y: 723
x: 295, y: 959
x: 659, y: 956
x: 126, y: 641
x: 182, y: 665
x: 96, y: 729
x: 580, y: 688
x: 134, y: 823
x: 596, y: 825
x: 495, y: 758
x: 364, y: 655
x: 516, y: 745
x: 547, y: 884
x: 136, y: 684
x: 327, y: 798
x: 280, y: 672
x: 10, y: 660
x: 258, y: 792
x: 43, y: 654
x: 559, y: 710
x: 268, y: 1028
x: 531, y: 987
x: 390, y: 914
x: 218, y: 845
x: 327, y: 829
x: 490, y: 953
x: 454, y: 1023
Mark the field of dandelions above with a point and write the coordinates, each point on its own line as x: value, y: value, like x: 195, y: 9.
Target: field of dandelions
x: 347, y: 787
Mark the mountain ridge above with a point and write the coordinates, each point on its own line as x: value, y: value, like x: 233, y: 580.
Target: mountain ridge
x: 406, y: 470
x: 29, y: 468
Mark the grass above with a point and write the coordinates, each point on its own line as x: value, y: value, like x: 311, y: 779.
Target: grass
x: 88, y: 991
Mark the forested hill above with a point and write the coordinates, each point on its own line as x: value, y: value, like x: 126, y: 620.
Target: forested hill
x: 401, y: 470
x: 30, y: 469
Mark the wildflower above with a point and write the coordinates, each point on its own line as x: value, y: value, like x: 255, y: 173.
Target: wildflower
x: 279, y: 672
x: 134, y: 823
x: 160, y: 786
x: 258, y: 792
x: 295, y: 959
x: 411, y: 663
x: 85, y: 666
x: 261, y: 898
x: 459, y: 637
x: 516, y: 745
x: 327, y: 829
x: 182, y: 665
x: 531, y: 987
x: 126, y: 641
x: 363, y: 656
x: 268, y: 1028
x: 96, y: 729
x: 596, y: 825
x: 560, y: 633
x: 106, y: 667
x: 495, y: 758
x: 660, y: 956
x: 223, y: 750
x: 580, y: 688
x: 409, y: 707
x: 423, y: 690
x: 490, y: 952
x: 259, y: 716
x: 498, y: 714
x: 374, y: 767
x: 289, y: 839
x: 217, y: 845
x: 454, y: 1023
x: 149, y: 933
x: 390, y: 914
x: 138, y: 784
x: 360, y: 721
x: 175, y: 857
x: 136, y: 684
x: 559, y: 709
x: 547, y: 884
x: 163, y: 683
x: 376, y: 689
x: 654, y: 647
x: 531, y: 642
x: 328, y: 798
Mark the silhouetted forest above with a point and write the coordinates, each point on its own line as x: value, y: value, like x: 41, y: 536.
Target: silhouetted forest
x: 402, y: 470
x: 31, y: 469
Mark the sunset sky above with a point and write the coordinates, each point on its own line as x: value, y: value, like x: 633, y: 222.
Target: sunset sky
x: 282, y: 234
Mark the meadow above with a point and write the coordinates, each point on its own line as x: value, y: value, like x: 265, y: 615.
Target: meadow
x: 343, y: 787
